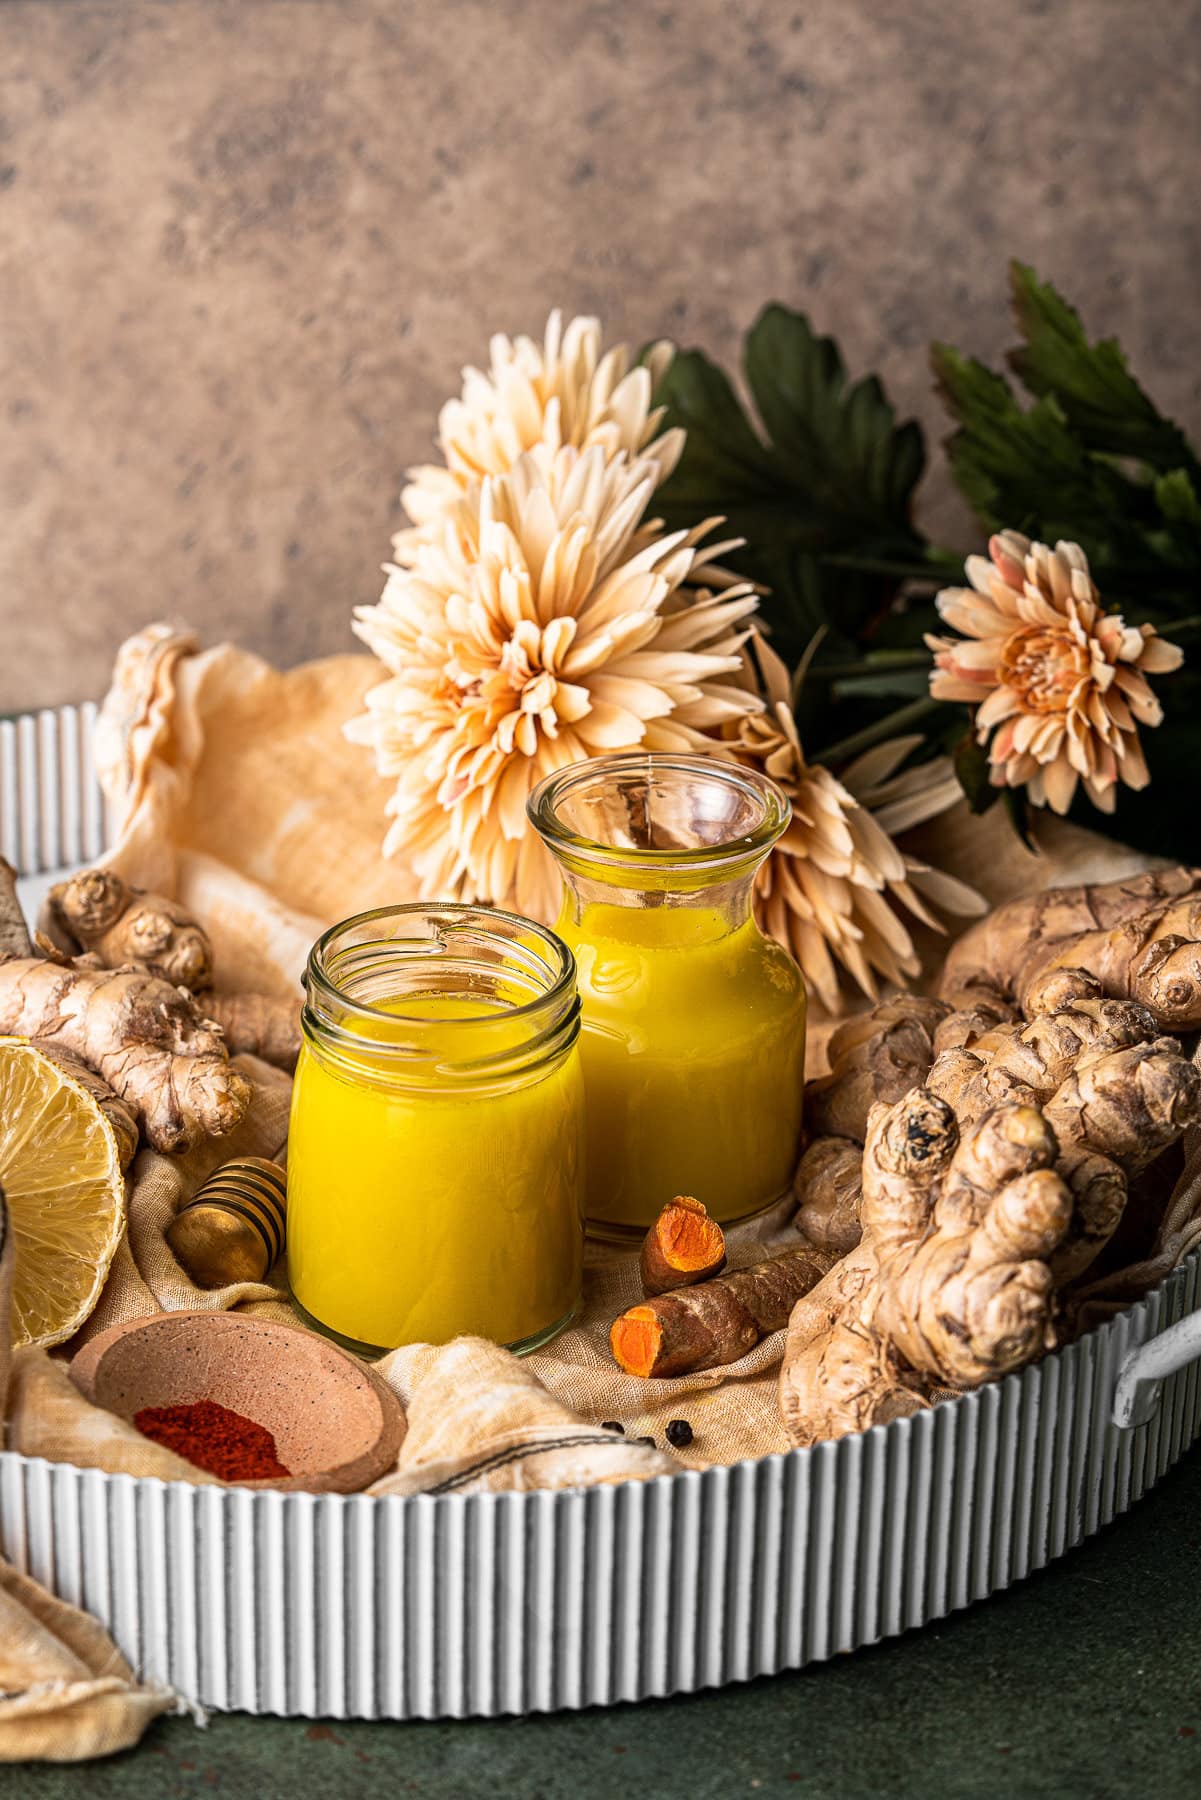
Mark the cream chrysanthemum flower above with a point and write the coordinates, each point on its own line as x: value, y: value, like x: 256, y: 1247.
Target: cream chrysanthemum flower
x: 1062, y: 683
x: 565, y: 390
x: 544, y: 625
x: 830, y: 889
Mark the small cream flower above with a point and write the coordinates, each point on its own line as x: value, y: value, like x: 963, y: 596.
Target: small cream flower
x: 562, y: 391
x: 545, y: 623
x: 830, y: 889
x: 1062, y: 683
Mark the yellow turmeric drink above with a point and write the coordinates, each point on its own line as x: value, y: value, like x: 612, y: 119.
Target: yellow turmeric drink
x: 694, y: 1050
x: 435, y: 1157
x: 693, y: 1039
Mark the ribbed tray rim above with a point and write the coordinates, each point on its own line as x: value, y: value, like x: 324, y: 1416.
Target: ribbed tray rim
x: 739, y: 1602
x: 1138, y: 1312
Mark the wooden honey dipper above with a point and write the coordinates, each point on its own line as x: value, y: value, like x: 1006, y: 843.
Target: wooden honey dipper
x: 232, y: 1229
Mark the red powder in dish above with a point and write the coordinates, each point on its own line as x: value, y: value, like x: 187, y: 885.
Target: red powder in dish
x: 221, y: 1442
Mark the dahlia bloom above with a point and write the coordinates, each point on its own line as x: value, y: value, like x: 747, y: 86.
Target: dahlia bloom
x: 566, y: 390
x: 836, y: 885
x: 1060, y: 683
x: 545, y: 621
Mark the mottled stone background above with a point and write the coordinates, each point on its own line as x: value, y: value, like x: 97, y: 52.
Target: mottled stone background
x: 245, y: 248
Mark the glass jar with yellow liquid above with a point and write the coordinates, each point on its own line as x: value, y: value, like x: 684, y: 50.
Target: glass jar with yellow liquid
x: 694, y: 1021
x: 436, y: 1147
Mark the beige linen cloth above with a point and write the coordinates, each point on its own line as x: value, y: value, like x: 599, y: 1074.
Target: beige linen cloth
x: 66, y: 1692
x: 232, y: 787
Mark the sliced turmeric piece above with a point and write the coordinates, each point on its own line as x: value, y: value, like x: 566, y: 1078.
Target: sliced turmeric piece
x: 707, y: 1326
x: 683, y: 1246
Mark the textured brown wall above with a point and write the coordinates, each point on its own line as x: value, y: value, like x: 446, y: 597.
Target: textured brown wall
x: 244, y: 248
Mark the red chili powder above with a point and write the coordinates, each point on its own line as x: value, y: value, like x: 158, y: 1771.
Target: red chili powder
x: 221, y: 1442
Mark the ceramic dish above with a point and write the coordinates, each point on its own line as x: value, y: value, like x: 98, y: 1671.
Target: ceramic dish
x: 336, y: 1425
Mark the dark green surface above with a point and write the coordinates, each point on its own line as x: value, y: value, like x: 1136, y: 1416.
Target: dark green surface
x: 1085, y: 1681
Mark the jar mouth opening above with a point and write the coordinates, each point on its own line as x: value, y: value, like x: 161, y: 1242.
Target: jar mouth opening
x: 519, y: 974
x: 659, y: 809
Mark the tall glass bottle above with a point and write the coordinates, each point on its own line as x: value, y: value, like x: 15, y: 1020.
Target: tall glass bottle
x: 694, y: 1021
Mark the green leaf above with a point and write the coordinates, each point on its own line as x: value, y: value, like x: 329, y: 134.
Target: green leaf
x: 890, y: 683
x: 971, y: 764
x: 1177, y: 498
x: 1018, y: 809
x: 893, y: 724
x: 1095, y: 390
x: 839, y: 445
x: 1022, y: 468
x: 1090, y: 459
x: 820, y: 468
x: 970, y: 760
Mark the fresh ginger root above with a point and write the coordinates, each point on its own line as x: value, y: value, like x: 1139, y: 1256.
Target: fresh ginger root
x: 145, y: 1038
x: 682, y: 1247
x: 142, y: 1036
x: 98, y: 916
x: 708, y: 1326
x: 1114, y: 1092
x: 1137, y: 939
x: 950, y: 1284
x: 263, y: 1025
x: 829, y: 1187
x: 875, y: 1055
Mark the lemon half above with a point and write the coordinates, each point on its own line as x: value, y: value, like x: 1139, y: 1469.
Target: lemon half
x: 61, y: 1174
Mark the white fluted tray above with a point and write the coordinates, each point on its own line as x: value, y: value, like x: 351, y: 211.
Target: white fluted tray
x: 433, y: 1607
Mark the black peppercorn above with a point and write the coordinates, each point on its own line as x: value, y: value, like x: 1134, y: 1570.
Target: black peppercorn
x: 612, y: 1425
x: 679, y: 1433
x: 645, y: 1440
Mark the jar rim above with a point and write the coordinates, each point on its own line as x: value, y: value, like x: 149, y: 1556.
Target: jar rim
x: 544, y: 804
x: 463, y: 1047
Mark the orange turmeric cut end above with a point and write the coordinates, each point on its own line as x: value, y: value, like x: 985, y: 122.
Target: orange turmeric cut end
x: 689, y: 1240
x: 635, y: 1340
x: 683, y: 1246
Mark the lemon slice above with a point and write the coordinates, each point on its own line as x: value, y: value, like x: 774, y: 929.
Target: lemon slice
x: 61, y: 1174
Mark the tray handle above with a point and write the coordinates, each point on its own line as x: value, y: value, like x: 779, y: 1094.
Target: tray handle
x: 1144, y: 1370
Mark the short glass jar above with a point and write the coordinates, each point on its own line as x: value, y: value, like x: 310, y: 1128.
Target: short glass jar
x: 694, y: 1021
x: 436, y: 1148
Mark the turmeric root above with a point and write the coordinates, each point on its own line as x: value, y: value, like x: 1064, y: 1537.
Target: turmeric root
x: 950, y: 1284
x: 142, y: 1036
x: 682, y: 1247
x: 708, y: 1326
x: 121, y: 925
